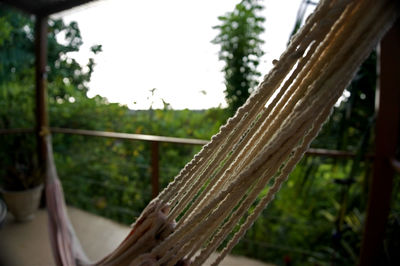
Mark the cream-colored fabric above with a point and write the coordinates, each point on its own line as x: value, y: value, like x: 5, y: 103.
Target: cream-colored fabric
x: 234, y: 177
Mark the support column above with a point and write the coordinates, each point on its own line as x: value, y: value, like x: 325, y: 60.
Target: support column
x: 387, y: 132
x: 42, y: 121
x: 155, y: 169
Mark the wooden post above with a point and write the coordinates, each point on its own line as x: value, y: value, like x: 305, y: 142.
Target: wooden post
x: 155, y: 169
x: 42, y: 121
x: 387, y: 128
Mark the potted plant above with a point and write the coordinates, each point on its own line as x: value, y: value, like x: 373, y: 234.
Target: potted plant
x: 21, y: 181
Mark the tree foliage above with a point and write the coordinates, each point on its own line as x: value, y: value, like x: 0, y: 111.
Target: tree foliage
x: 240, y: 50
x: 64, y: 73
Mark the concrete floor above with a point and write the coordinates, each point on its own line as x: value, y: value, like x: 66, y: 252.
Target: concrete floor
x: 27, y: 244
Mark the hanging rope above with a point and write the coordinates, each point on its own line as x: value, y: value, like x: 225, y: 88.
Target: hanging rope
x: 222, y: 191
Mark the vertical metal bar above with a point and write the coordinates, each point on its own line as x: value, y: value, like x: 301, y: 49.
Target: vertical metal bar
x: 387, y: 128
x: 42, y: 122
x: 155, y: 169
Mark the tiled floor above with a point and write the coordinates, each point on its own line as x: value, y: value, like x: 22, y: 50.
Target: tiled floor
x: 27, y: 244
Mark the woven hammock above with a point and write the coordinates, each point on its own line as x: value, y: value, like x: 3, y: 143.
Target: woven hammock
x: 220, y: 193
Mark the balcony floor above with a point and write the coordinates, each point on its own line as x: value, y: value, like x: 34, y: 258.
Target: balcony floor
x: 27, y: 244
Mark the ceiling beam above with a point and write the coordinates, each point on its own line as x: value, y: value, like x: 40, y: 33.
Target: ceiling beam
x: 55, y: 7
x: 45, y: 8
x: 19, y: 5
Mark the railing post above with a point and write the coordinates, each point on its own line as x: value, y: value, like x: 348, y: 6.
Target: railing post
x: 387, y: 129
x: 42, y: 121
x: 155, y: 169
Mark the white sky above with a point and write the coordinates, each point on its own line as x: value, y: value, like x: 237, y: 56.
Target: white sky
x: 167, y: 45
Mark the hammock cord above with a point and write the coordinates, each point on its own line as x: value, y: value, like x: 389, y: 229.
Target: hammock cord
x: 220, y: 193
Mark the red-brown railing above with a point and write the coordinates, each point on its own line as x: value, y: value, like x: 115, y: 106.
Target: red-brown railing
x: 155, y: 141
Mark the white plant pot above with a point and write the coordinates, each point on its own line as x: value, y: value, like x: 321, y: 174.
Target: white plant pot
x: 23, y: 204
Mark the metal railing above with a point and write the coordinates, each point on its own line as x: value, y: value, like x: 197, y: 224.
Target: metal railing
x: 155, y: 143
x: 155, y: 147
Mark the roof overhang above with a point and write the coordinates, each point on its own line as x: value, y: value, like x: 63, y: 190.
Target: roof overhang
x: 44, y: 7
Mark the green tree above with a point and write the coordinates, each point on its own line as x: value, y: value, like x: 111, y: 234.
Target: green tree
x: 240, y: 50
x: 66, y: 77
